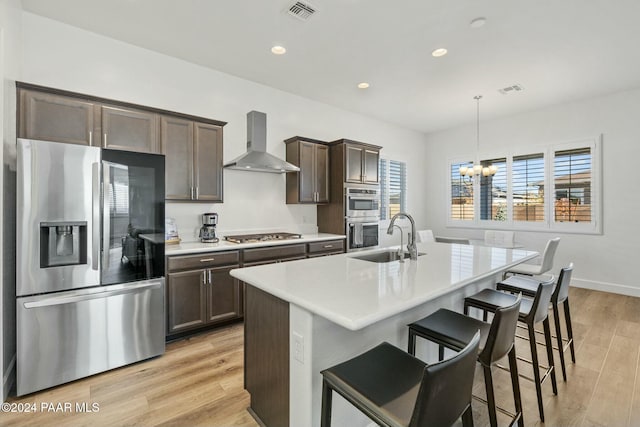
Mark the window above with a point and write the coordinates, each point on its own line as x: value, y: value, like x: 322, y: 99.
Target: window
x: 555, y: 188
x: 572, y: 184
x: 393, y: 187
x: 461, y: 196
x: 493, y: 191
x: 528, y: 187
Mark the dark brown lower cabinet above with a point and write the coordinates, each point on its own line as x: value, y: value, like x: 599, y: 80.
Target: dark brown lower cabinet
x: 186, y: 300
x: 202, y: 293
x: 223, y: 296
x: 199, y: 297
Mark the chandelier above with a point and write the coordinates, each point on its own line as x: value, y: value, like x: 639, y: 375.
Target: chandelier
x: 477, y: 167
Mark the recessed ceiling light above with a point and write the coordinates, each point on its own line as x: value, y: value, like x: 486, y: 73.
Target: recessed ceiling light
x: 363, y: 85
x: 278, y: 50
x: 439, y: 52
x: 478, y: 22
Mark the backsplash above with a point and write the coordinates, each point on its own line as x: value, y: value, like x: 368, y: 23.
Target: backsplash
x: 287, y: 218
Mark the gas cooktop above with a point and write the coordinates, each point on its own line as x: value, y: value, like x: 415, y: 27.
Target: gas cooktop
x: 261, y: 237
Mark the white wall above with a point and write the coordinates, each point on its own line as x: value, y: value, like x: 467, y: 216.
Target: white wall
x: 10, y: 21
x: 65, y: 57
x: 601, y: 261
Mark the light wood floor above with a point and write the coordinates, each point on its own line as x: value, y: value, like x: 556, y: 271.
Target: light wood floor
x: 199, y: 381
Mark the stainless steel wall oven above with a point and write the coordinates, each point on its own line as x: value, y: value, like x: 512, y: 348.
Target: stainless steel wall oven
x: 362, y: 233
x: 362, y: 201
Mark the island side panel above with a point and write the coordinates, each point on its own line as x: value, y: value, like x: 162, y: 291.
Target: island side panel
x: 266, y: 367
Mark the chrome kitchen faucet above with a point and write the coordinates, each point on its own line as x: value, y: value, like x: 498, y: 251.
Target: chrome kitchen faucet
x: 411, y: 246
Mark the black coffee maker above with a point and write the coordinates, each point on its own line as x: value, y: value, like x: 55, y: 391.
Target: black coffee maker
x: 208, y: 229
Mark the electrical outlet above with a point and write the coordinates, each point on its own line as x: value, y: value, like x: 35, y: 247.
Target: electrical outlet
x: 298, y: 347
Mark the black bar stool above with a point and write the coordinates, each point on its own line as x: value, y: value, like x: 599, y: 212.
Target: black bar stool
x: 454, y: 330
x: 528, y: 286
x: 396, y: 389
x: 531, y: 313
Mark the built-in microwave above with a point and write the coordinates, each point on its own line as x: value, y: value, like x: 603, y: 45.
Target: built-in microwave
x: 362, y: 202
x: 362, y: 233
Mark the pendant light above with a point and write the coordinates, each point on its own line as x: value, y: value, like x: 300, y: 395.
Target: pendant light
x: 477, y: 167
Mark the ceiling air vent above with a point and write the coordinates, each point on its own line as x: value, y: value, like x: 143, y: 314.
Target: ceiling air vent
x: 511, y: 89
x: 302, y: 11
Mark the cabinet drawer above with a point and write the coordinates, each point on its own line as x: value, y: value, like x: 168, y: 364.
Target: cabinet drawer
x: 205, y: 260
x: 273, y: 261
x: 336, y: 246
x: 274, y: 253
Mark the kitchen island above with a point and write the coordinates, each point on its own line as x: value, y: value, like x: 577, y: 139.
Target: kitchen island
x: 304, y: 316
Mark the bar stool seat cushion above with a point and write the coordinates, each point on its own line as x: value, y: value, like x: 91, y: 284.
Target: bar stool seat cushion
x: 490, y: 299
x: 527, y: 285
x: 530, y: 269
x: 451, y: 329
x: 389, y: 393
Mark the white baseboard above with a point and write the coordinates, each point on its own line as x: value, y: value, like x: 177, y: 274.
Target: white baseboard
x: 9, y: 376
x: 606, y: 287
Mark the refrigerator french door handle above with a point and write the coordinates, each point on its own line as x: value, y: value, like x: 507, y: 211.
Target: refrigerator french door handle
x: 106, y: 226
x: 59, y: 300
x: 95, y: 217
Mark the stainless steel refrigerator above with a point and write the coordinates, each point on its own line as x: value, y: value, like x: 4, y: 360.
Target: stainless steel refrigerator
x: 90, y: 261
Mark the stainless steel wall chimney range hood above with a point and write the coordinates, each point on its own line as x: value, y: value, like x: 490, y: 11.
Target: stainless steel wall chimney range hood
x: 256, y: 158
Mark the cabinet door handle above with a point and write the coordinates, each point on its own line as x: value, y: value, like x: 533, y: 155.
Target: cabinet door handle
x: 327, y: 246
x: 90, y: 138
x: 207, y: 259
x: 210, y: 281
x: 105, y: 139
x: 191, y: 190
x: 204, y: 278
x: 197, y: 192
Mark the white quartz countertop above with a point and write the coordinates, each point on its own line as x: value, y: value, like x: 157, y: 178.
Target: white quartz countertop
x: 355, y: 293
x: 197, y: 247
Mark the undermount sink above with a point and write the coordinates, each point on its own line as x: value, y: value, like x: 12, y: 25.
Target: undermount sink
x: 384, y: 256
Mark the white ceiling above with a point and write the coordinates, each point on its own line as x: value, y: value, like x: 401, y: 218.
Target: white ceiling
x: 558, y: 51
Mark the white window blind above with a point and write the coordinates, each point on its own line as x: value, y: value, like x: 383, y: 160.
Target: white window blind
x: 572, y: 185
x: 493, y: 192
x: 393, y: 187
x: 554, y: 188
x: 119, y: 191
x: 461, y: 196
x: 528, y: 187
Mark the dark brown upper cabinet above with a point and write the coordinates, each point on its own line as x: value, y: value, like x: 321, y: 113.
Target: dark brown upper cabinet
x: 129, y: 129
x: 192, y: 145
x: 52, y: 117
x: 360, y: 161
x: 311, y: 183
x: 58, y: 117
x: 193, y: 153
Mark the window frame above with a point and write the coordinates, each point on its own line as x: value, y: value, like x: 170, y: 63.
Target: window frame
x: 594, y: 226
x: 549, y: 224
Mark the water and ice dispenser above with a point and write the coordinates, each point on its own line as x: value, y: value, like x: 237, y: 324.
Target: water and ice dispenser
x: 63, y: 243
